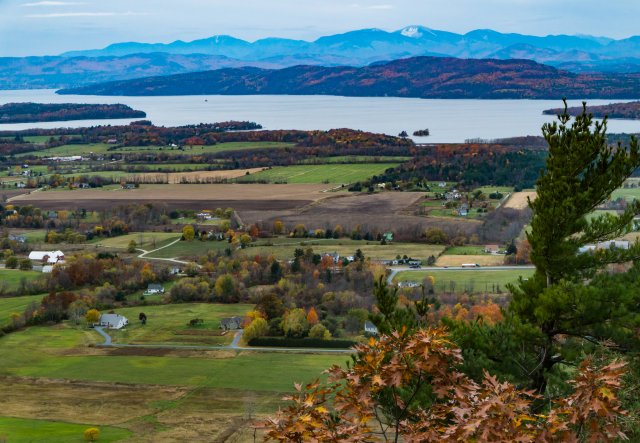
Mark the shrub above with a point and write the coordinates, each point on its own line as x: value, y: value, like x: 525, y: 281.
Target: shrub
x: 283, y: 342
x: 258, y: 328
x: 320, y: 332
x: 91, y: 434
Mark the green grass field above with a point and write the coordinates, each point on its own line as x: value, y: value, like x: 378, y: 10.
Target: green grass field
x: 337, y: 173
x: 167, y: 324
x: 468, y: 281
x: 103, y: 148
x: 192, y: 249
x: 626, y: 193
x: 48, y: 356
x: 10, y: 305
x: 465, y: 250
x: 144, y: 240
x: 284, y: 248
x: 10, y: 278
x: 16, y: 430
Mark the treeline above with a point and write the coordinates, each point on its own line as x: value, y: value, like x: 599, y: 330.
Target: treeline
x: 471, y: 165
x: 48, y: 112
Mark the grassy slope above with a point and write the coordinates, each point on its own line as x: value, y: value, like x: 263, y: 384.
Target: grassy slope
x: 244, y: 371
x: 15, y: 304
x: 12, y: 277
x: 165, y: 323
x: 17, y: 430
x: 467, y: 280
x: 336, y: 173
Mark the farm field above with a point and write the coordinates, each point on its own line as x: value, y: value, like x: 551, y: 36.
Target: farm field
x: 626, y: 193
x: 187, y: 250
x: 518, y: 200
x: 169, y: 395
x: 144, y: 240
x: 358, y: 159
x: 9, y: 305
x: 178, y: 177
x: 482, y: 259
x: 467, y: 281
x: 70, y: 150
x: 465, y: 250
x: 217, y: 192
x: 336, y: 173
x: 168, y: 324
x: 345, y: 247
x: 10, y: 278
x: 16, y: 430
x: 103, y: 148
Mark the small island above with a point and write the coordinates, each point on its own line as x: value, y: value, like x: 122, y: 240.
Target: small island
x: 627, y: 111
x: 52, y: 112
x: 421, y: 133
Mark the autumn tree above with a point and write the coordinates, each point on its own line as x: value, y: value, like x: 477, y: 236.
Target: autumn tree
x: 188, y: 233
x: 295, y: 323
x: 259, y: 327
x: 408, y: 386
x: 312, y: 316
x: 92, y: 316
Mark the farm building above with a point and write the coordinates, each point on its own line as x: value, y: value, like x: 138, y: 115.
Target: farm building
x: 50, y: 257
x: 612, y: 244
x: 231, y: 323
x: 370, y: 328
x: 154, y: 288
x: 113, y: 321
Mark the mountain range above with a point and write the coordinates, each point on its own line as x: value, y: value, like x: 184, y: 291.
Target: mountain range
x: 423, y: 77
x: 123, y: 61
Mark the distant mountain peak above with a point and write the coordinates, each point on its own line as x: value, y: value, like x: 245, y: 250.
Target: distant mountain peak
x: 416, y: 31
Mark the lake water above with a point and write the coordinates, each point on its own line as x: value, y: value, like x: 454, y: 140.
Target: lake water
x: 449, y: 121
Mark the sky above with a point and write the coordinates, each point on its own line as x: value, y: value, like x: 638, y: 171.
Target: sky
x: 50, y: 27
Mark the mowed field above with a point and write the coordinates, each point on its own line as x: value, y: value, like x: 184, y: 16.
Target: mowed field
x: 103, y: 148
x: 254, y: 196
x: 169, y: 324
x: 336, y: 173
x: 10, y: 278
x: 467, y: 281
x: 157, y: 395
x: 373, y: 250
x: 9, y: 305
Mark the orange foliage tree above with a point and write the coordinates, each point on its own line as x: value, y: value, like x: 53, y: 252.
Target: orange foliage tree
x: 407, y: 386
x: 312, y: 316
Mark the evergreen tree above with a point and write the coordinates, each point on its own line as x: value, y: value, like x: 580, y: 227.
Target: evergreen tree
x: 569, y: 295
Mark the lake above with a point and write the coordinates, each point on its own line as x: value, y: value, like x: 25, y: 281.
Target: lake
x: 449, y: 121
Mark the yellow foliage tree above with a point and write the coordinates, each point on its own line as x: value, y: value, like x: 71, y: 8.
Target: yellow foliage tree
x: 92, y: 316
x: 91, y: 434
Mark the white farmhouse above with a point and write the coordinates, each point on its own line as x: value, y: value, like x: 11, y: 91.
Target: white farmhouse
x: 113, y: 321
x: 51, y: 257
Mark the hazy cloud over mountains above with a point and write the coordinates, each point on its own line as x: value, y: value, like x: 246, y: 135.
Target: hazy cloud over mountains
x: 52, y: 26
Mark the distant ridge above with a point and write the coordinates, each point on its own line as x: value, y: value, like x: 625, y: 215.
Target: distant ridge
x: 424, y: 77
x: 121, y: 61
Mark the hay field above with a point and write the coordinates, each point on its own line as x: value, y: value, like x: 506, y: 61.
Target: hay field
x: 482, y: 260
x: 518, y: 200
x: 194, y: 176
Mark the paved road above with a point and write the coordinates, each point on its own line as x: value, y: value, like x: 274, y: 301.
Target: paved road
x: 107, y: 337
x: 233, y: 346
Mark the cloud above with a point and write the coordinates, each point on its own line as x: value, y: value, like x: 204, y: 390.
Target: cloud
x: 51, y: 3
x: 84, y: 14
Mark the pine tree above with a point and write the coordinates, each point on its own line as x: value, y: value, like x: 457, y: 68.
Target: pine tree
x: 569, y: 295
